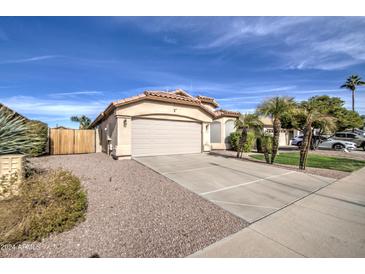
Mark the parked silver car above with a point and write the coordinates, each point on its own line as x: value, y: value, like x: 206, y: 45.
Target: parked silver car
x: 358, y: 139
x: 337, y: 145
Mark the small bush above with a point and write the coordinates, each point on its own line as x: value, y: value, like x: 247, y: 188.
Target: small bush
x: 19, y: 135
x: 234, y: 139
x: 47, y: 203
x: 248, y: 146
x: 38, y: 132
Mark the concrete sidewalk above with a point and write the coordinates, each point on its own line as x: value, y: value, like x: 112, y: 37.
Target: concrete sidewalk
x: 329, y: 223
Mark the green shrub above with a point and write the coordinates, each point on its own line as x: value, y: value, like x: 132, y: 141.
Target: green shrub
x: 248, y: 146
x: 234, y: 139
x: 38, y: 133
x: 18, y: 135
x: 47, y: 203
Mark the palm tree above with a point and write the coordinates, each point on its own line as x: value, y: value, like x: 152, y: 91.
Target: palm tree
x: 84, y: 121
x: 351, y: 83
x: 275, y: 108
x: 245, y: 123
x: 314, y: 114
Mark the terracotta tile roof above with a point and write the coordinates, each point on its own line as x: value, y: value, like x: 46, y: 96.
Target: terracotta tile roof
x: 209, y: 100
x: 227, y: 113
x: 177, y: 96
x: 267, y: 121
x: 172, y: 95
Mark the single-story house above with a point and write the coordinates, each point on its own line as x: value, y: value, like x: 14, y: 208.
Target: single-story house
x: 163, y: 123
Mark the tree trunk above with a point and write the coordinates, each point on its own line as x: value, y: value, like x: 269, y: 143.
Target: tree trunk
x: 312, y: 141
x: 266, y: 153
x: 275, y: 141
x: 317, y: 141
x: 242, y: 141
x: 307, y: 136
x: 353, y: 100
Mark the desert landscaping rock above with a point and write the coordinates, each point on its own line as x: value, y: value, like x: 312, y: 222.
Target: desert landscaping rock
x: 132, y: 212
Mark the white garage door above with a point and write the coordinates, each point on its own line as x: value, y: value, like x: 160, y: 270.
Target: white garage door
x: 163, y: 137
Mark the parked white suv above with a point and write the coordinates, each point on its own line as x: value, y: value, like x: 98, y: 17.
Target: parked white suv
x: 329, y: 143
x: 297, y: 140
x: 337, y: 145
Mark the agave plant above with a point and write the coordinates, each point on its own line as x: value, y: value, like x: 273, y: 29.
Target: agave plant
x: 14, y: 133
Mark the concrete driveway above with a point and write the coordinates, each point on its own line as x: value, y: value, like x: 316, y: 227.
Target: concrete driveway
x: 328, y: 223
x: 246, y: 189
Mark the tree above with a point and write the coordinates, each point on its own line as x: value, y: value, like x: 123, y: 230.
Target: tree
x: 245, y: 123
x: 314, y: 113
x: 351, y: 83
x: 347, y: 119
x: 40, y: 130
x: 330, y: 106
x: 84, y: 121
x: 275, y: 108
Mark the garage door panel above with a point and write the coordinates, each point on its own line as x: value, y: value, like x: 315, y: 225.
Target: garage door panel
x: 164, y: 137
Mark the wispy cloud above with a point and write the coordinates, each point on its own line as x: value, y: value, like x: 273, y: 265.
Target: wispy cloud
x: 239, y: 30
x: 170, y: 40
x: 30, y: 59
x: 300, y: 43
x: 76, y: 93
x: 32, y: 106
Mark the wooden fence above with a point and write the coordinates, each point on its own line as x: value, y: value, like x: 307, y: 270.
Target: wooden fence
x: 71, y: 141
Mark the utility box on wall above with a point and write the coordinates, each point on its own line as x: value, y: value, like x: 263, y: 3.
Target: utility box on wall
x: 11, y: 174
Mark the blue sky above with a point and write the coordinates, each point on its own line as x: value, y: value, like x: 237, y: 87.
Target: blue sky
x: 55, y: 67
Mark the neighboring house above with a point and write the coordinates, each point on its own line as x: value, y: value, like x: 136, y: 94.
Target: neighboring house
x: 163, y: 123
x: 285, y: 134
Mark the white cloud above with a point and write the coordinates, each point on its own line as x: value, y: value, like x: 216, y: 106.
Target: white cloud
x: 170, y: 40
x: 245, y: 28
x: 32, y: 106
x: 76, y: 93
x: 30, y: 59
x: 324, y: 43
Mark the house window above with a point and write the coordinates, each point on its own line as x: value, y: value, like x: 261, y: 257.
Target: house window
x: 215, y: 132
x: 229, y: 128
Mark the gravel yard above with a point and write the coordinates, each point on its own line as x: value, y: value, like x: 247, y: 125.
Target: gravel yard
x: 132, y: 212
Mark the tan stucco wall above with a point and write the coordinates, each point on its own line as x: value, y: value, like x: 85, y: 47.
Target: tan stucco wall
x: 206, y: 137
x: 108, y: 129
x: 209, y: 106
x: 222, y: 144
x: 161, y: 108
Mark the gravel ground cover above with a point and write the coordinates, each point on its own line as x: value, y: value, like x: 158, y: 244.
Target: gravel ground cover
x: 132, y: 212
